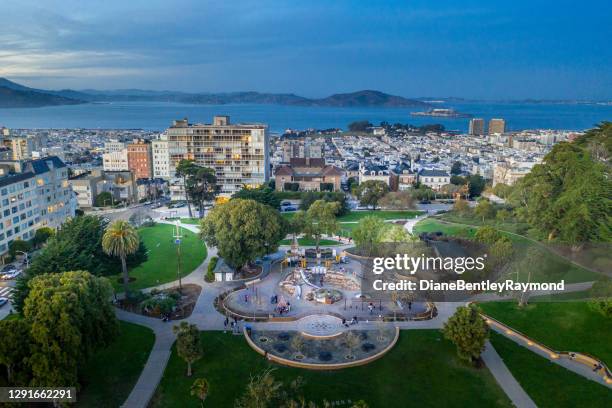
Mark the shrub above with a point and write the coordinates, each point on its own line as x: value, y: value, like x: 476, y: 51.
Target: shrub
x: 210, y: 276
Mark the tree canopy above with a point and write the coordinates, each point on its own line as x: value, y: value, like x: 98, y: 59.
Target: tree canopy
x: 568, y: 196
x: 69, y: 316
x: 371, y: 191
x: 321, y: 219
x: 243, y: 230
x: 76, y: 246
x: 264, y: 195
x: 468, y: 331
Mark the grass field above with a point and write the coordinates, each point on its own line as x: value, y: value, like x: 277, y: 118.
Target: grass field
x: 548, y: 384
x: 311, y: 242
x: 551, y: 267
x: 422, y: 369
x: 109, y: 376
x: 161, y: 265
x: 355, y: 216
x: 191, y: 221
x: 563, y: 326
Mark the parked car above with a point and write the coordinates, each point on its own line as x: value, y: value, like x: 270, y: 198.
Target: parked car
x: 3, y: 301
x: 286, y: 203
x: 288, y: 208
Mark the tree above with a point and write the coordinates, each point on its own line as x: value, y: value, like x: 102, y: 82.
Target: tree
x: 359, y: 126
x: 476, y: 185
x: 484, y: 209
x: 461, y: 207
x: 502, y: 190
x: 121, y: 240
x: 70, y: 316
x: 487, y: 235
x: 243, y: 230
x: 567, y: 197
x: 398, y: 200
x: 456, y: 168
x: 369, y: 192
x: 502, y: 215
x: 202, y: 186
x: 468, y: 331
x: 368, y: 234
x: 76, y: 246
x: 188, y: 343
x: 184, y: 170
x: 264, y: 195
x: 601, y: 297
x: 321, y: 219
x: 261, y: 392
x: 200, y: 389
x: 42, y: 235
x: 18, y: 246
x: 310, y: 197
x: 103, y: 199
x: 297, y: 223
x: 352, y: 341
x: 15, y: 350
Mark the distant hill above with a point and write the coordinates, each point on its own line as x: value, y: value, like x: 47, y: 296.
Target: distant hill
x: 368, y: 98
x: 36, y: 97
x: 12, y: 98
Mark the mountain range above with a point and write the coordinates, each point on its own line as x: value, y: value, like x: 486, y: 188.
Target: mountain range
x: 14, y: 95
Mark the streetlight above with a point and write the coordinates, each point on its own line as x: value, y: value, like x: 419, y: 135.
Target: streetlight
x: 177, y: 241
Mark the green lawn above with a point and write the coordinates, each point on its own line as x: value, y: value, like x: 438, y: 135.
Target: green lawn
x: 109, y: 376
x: 548, y: 384
x: 385, y: 215
x: 161, y: 265
x: 511, y: 225
x: 355, y: 216
x: 422, y: 369
x: 563, y: 326
x: 191, y: 221
x: 551, y: 267
x: 311, y: 242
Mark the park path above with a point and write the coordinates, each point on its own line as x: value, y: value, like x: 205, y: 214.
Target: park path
x: 505, y: 379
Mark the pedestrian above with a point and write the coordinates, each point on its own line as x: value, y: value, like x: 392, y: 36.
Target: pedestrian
x: 409, y: 305
x: 225, y: 322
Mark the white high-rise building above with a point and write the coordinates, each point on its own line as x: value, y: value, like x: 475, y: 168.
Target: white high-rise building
x: 161, y: 158
x: 115, y: 160
x: 113, y: 145
x: 238, y: 153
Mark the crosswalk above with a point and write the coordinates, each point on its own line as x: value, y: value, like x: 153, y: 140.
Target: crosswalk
x: 6, y: 291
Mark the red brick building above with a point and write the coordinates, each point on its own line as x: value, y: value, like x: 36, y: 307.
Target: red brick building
x: 140, y: 159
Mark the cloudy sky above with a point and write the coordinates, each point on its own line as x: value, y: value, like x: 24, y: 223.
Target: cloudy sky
x: 476, y: 49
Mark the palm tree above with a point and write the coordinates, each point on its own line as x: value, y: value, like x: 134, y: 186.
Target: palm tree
x: 200, y: 389
x: 121, y: 239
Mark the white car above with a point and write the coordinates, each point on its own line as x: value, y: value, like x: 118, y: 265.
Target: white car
x: 3, y: 301
x: 11, y: 275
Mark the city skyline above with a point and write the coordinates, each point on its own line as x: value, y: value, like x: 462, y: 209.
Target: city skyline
x: 478, y: 50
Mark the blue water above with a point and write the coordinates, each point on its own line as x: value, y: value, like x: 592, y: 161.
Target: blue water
x: 159, y: 115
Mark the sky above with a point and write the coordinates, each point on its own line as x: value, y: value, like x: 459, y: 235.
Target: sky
x: 473, y: 49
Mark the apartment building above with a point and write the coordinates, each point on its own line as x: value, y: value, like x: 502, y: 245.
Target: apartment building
x: 308, y: 174
x: 435, y: 179
x: 88, y: 185
x: 476, y: 127
x: 113, y: 145
x: 116, y: 160
x: 161, y: 159
x: 33, y: 194
x: 140, y: 158
x: 19, y: 213
x: 497, y: 126
x: 237, y: 152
